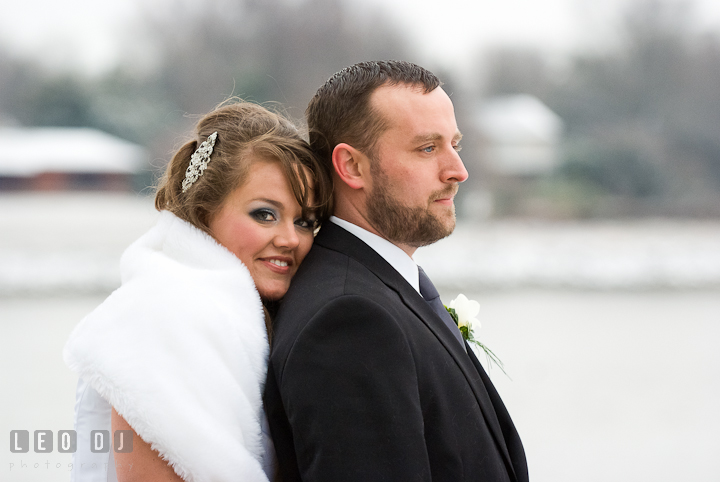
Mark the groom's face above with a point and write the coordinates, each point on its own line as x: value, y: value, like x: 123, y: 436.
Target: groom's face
x: 416, y: 169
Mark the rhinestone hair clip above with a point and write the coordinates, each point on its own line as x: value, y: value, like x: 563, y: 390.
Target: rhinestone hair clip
x: 199, y: 161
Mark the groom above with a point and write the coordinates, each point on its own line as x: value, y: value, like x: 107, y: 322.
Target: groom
x: 369, y: 379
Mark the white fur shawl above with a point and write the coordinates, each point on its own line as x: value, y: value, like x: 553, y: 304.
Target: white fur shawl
x: 180, y: 351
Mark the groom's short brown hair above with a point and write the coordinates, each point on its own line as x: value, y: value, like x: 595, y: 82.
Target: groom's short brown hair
x: 340, y: 111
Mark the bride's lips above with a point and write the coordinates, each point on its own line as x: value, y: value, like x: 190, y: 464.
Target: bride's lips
x: 276, y: 268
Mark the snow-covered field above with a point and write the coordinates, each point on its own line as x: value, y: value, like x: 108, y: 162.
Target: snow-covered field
x: 615, y: 369
x: 67, y: 243
x: 71, y: 243
x: 615, y: 255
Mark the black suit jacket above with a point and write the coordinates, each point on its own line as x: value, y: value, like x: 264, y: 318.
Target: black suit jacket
x: 366, y: 383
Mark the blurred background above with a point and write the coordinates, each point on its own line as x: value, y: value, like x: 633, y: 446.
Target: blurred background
x: 589, y: 229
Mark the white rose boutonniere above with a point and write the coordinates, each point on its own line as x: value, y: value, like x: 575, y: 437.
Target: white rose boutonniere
x: 464, y: 312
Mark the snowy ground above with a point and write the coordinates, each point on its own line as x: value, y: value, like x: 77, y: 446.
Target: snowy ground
x: 71, y: 243
x: 615, y: 369
x: 67, y: 243
x: 651, y: 254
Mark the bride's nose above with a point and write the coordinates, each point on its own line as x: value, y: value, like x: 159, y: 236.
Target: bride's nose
x: 286, y: 236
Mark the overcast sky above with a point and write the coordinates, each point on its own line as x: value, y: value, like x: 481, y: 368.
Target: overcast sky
x: 89, y: 33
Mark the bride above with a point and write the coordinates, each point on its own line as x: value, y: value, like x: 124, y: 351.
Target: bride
x: 173, y: 362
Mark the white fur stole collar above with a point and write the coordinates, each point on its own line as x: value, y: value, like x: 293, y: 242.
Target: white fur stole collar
x: 180, y: 351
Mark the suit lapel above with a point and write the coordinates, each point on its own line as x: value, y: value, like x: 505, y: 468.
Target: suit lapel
x: 422, y: 309
x: 336, y: 238
x: 502, y: 415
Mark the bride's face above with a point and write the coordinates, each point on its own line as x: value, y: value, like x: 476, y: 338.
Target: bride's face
x: 261, y: 223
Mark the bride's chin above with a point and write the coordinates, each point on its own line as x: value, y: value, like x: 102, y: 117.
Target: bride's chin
x: 272, y: 294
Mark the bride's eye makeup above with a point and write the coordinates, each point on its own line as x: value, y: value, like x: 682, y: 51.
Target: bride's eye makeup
x: 309, y: 224
x: 263, y: 215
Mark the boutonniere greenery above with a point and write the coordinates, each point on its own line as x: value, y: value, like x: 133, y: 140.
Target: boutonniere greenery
x: 464, y: 312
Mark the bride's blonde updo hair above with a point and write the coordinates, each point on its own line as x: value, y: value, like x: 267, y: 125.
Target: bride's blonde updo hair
x: 246, y: 133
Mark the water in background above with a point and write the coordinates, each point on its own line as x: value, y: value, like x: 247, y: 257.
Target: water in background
x: 608, y: 331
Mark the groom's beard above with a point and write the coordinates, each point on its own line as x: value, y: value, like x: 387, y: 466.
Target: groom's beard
x: 414, y: 226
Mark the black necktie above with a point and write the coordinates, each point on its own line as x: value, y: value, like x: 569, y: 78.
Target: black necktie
x: 431, y: 295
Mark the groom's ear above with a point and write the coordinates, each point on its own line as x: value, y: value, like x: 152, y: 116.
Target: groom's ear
x: 351, y: 165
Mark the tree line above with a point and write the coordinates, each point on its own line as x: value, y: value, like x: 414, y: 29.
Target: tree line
x: 642, y: 118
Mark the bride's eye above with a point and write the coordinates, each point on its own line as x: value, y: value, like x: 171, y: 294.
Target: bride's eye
x: 264, y: 215
x: 306, y: 223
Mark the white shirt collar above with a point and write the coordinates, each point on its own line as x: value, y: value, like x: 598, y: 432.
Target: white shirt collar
x: 396, y: 257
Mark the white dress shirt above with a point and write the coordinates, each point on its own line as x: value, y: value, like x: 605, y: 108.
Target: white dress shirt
x: 396, y: 257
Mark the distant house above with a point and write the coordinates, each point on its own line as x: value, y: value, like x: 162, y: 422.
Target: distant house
x: 520, y: 135
x: 55, y: 158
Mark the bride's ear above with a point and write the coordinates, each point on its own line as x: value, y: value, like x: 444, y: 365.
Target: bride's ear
x: 351, y: 165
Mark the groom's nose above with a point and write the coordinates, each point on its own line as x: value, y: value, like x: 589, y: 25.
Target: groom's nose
x: 452, y: 168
